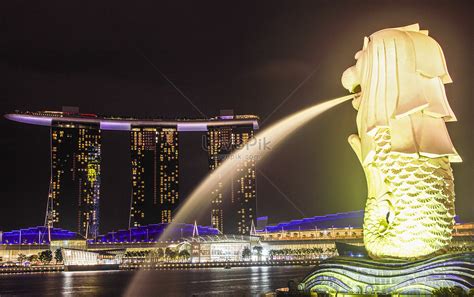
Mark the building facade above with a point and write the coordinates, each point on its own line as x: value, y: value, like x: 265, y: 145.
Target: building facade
x: 155, y: 175
x: 74, y: 195
x: 220, y: 248
x: 234, y: 199
x: 319, y: 236
x: 73, y: 199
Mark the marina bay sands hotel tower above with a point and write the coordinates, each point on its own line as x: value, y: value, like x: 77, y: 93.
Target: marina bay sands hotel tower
x: 155, y: 180
x: 234, y: 205
x: 74, y: 194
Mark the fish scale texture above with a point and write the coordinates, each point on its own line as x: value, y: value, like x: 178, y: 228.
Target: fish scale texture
x: 415, y: 216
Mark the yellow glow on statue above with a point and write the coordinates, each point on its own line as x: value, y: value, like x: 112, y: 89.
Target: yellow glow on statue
x: 403, y: 144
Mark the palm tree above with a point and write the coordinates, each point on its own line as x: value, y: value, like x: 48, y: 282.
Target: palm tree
x: 45, y: 256
x: 168, y: 253
x: 246, y: 253
x: 160, y: 253
x: 58, y: 256
x: 21, y: 258
x: 258, y: 249
x: 173, y: 254
x: 277, y: 254
x: 281, y: 254
x: 331, y: 251
x: 272, y: 254
x: 285, y: 253
x: 33, y: 258
x: 151, y: 257
x: 184, y: 254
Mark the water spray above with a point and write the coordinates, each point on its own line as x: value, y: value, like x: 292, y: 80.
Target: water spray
x: 275, y: 134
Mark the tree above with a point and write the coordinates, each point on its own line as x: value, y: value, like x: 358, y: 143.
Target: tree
x: 170, y: 253
x: 21, y: 258
x: 152, y: 256
x: 331, y: 251
x: 246, y: 253
x: 173, y: 254
x: 258, y: 249
x: 285, y: 253
x: 45, y: 256
x: 184, y: 254
x: 160, y: 253
x: 58, y: 256
x: 156, y: 254
x: 33, y: 258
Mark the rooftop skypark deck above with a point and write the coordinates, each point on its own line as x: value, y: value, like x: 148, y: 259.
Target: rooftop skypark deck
x: 125, y: 123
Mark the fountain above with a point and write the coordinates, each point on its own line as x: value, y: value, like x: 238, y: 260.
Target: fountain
x: 260, y: 146
x: 406, y: 153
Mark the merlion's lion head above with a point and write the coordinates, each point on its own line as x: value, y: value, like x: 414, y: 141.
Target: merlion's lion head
x: 401, y: 73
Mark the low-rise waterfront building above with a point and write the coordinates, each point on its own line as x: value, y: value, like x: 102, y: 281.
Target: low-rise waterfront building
x: 34, y: 240
x: 309, y: 238
x: 298, y: 239
x: 221, y: 248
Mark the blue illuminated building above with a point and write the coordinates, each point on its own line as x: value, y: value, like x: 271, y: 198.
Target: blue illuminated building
x: 37, y: 235
x: 151, y: 233
x: 353, y: 219
x: 148, y: 233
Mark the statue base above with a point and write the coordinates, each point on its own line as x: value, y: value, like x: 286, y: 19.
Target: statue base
x: 366, y: 276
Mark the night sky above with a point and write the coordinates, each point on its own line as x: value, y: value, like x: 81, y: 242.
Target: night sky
x: 106, y: 57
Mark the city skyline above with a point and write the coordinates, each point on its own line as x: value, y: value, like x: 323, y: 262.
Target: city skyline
x: 74, y: 198
x: 265, y: 148
x: 105, y: 66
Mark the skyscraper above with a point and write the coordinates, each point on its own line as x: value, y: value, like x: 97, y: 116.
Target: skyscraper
x: 219, y: 146
x: 73, y: 200
x: 88, y: 159
x: 233, y: 205
x: 169, y: 173
x: 74, y: 196
x: 154, y: 158
x: 244, y: 185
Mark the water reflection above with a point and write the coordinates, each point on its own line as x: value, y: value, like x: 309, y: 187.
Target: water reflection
x: 249, y: 281
x: 67, y: 282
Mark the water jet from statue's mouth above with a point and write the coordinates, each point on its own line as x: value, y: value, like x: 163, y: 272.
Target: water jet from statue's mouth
x: 272, y: 136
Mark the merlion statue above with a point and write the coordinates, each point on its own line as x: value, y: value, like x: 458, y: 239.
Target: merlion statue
x: 403, y: 144
x: 406, y: 153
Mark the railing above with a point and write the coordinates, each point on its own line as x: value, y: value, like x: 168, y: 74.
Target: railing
x: 227, y: 264
x: 31, y: 269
